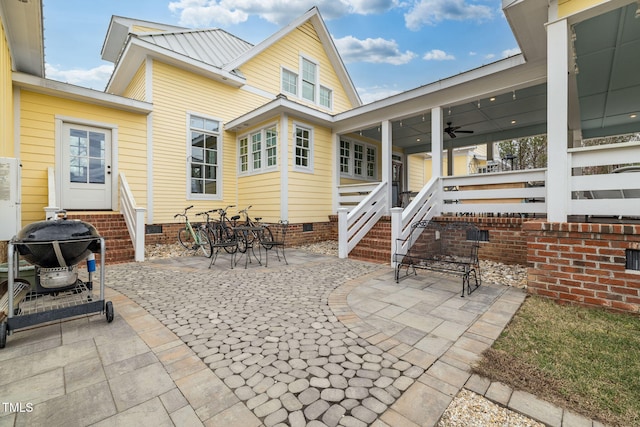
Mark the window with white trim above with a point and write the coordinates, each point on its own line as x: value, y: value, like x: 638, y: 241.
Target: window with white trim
x: 326, y: 97
x: 258, y: 151
x: 345, y: 157
x: 203, y: 157
x: 309, y: 79
x: 358, y: 160
x: 289, y: 82
x: 303, y: 149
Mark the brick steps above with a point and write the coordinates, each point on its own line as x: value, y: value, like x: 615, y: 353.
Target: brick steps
x: 112, y: 227
x: 376, y: 245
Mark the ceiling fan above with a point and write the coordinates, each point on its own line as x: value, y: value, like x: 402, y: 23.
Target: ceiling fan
x: 451, y: 130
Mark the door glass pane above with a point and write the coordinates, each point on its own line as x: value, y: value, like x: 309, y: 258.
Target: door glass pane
x: 96, y: 171
x: 78, y: 169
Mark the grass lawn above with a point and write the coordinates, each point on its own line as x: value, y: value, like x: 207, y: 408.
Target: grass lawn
x: 585, y: 360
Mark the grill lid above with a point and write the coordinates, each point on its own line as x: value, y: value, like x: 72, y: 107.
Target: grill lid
x: 57, y: 243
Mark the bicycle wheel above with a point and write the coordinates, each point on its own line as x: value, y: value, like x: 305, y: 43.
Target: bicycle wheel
x: 242, y: 237
x: 228, y: 236
x: 185, y: 238
x: 205, y: 243
x: 266, y: 236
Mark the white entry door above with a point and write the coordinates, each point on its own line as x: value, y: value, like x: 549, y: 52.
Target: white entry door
x: 86, y: 167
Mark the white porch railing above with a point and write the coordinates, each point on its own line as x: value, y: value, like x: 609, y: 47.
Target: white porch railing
x: 607, y: 194
x: 354, y: 225
x: 350, y: 195
x: 133, y: 216
x: 513, y: 192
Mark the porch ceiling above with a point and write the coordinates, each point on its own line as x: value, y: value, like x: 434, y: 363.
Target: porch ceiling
x: 605, y: 93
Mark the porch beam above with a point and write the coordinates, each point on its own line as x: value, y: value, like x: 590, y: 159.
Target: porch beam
x: 437, y: 142
x: 558, y: 169
x: 387, y: 151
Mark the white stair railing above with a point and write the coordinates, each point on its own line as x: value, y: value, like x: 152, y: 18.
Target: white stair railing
x: 423, y: 207
x: 354, y: 225
x: 133, y: 216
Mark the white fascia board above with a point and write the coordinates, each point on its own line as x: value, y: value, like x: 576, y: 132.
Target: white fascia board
x: 137, y: 50
x: 275, y: 108
x: 78, y: 93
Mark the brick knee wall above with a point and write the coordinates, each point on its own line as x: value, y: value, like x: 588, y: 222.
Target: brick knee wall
x: 583, y: 263
x: 507, y: 241
x: 297, y: 234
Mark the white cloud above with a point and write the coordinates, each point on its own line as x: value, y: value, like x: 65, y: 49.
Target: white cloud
x: 205, y: 13
x: 368, y: 95
x: 510, y: 52
x: 377, y: 51
x: 438, y: 55
x: 489, y: 56
x: 430, y: 12
x: 94, y: 78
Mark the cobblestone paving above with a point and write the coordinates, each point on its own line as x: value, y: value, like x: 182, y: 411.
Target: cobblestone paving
x: 270, y: 335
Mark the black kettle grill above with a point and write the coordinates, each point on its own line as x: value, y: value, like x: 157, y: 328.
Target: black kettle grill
x: 56, y: 247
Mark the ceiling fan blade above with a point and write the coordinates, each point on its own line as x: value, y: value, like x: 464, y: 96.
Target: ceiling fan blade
x: 464, y: 131
x: 451, y: 134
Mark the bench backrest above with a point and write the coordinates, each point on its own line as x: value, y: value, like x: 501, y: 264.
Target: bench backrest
x: 430, y: 239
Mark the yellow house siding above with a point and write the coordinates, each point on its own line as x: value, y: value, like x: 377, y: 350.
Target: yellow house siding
x: 416, y: 176
x: 261, y: 190
x: 144, y: 29
x: 177, y: 93
x: 570, y: 7
x: 38, y: 140
x: 137, y: 86
x: 310, y: 194
x: 264, y: 71
x: 6, y: 98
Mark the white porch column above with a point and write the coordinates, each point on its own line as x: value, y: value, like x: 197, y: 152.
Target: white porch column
x: 386, y: 134
x: 437, y: 137
x: 558, y: 171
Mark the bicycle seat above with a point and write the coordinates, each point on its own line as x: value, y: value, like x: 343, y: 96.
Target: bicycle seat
x: 235, y: 217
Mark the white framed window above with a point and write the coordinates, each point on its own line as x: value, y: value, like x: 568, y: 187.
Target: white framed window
x: 258, y: 151
x: 309, y: 79
x: 203, y: 158
x: 289, y: 82
x: 345, y: 157
x: 303, y: 148
x: 326, y: 97
x: 358, y: 160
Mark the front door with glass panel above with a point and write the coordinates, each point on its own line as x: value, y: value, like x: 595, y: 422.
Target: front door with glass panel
x: 86, y: 168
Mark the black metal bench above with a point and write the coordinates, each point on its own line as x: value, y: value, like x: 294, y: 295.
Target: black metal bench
x: 449, y: 247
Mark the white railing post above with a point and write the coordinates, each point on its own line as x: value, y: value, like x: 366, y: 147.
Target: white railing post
x: 134, y: 217
x: 51, y: 209
x: 396, y: 230
x: 343, y: 235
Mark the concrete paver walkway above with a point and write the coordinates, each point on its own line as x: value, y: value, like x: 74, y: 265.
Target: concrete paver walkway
x: 322, y: 341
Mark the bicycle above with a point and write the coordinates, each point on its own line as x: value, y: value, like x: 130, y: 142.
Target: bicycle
x: 261, y: 232
x: 195, y: 240
x: 221, y: 232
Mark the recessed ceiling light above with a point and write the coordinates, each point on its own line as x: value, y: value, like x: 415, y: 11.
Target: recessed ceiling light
x: 492, y: 99
x: 633, y: 116
x: 418, y: 140
x: 513, y: 122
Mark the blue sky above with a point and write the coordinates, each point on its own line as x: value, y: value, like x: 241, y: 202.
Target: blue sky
x: 388, y: 46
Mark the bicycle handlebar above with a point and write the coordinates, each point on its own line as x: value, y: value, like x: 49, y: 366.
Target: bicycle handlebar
x: 183, y: 214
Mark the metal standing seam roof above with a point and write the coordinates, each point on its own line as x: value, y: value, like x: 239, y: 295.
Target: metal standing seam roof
x: 212, y: 46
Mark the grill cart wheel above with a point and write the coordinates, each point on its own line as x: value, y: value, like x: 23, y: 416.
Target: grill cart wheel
x: 3, y: 334
x: 109, y: 311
